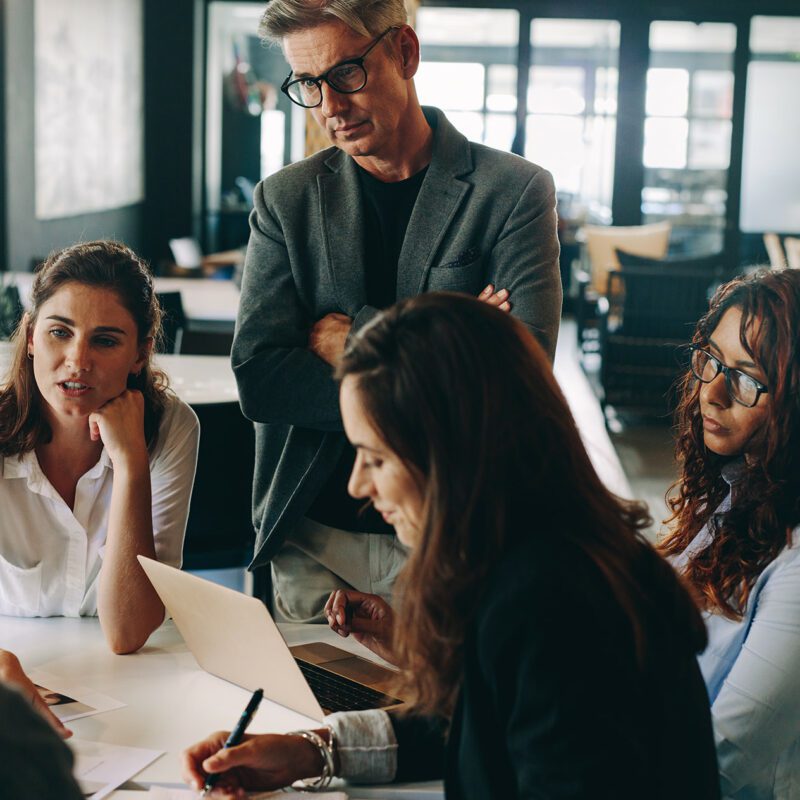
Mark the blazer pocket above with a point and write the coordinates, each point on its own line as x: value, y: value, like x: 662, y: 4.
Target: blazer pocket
x: 457, y: 277
x: 20, y: 589
x: 465, y: 258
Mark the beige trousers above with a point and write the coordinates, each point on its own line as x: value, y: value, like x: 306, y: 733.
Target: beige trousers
x: 316, y: 559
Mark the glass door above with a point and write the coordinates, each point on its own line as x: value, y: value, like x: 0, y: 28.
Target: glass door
x: 469, y: 70
x: 687, y: 132
x: 572, y: 111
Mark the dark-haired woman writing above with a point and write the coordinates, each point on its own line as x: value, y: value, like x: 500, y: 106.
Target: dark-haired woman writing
x: 736, y: 518
x: 547, y: 650
x: 97, y: 457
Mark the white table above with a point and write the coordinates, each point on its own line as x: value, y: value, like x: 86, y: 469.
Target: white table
x: 209, y: 305
x: 200, y: 380
x: 171, y: 702
x: 197, y: 380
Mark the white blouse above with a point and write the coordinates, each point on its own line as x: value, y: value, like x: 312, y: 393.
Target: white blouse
x: 50, y: 555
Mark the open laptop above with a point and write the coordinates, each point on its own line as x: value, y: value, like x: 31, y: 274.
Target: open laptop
x: 234, y: 637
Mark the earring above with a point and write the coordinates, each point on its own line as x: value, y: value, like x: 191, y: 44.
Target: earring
x: 30, y: 355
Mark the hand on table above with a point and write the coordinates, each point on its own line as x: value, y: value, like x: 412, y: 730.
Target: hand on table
x: 368, y: 617
x: 11, y: 672
x: 493, y: 298
x: 120, y: 425
x: 328, y: 336
x: 261, y: 762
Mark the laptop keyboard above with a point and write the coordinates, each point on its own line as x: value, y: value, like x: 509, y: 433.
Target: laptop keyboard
x: 336, y: 693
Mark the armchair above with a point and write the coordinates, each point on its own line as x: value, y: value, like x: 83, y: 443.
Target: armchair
x: 650, y: 313
x: 602, y: 242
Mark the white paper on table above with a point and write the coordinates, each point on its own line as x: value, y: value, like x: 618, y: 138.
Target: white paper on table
x: 70, y: 701
x: 165, y: 793
x: 100, y: 768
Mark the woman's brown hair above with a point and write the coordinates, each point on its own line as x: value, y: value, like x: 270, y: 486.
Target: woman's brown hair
x: 767, y: 503
x: 464, y: 395
x: 105, y: 265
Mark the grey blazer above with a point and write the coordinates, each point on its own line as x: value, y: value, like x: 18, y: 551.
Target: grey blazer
x: 481, y: 216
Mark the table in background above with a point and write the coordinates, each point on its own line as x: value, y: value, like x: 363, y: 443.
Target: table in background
x: 197, y: 380
x: 171, y: 702
x: 200, y: 380
x: 210, y: 307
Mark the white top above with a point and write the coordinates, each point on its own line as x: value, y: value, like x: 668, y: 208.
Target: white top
x: 752, y: 673
x: 50, y: 555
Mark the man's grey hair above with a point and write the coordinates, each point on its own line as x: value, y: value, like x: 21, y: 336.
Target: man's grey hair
x: 365, y: 17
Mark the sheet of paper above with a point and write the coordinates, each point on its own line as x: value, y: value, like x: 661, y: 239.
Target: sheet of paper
x: 164, y: 793
x: 69, y: 701
x: 100, y: 768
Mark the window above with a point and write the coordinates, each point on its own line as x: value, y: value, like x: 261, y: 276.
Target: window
x: 687, y: 130
x: 572, y: 106
x: 771, y: 161
x: 469, y: 70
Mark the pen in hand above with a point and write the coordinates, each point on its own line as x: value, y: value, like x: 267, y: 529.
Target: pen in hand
x: 236, y: 734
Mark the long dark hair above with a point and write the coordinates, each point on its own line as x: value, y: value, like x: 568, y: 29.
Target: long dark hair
x: 767, y: 506
x: 465, y: 396
x: 102, y: 264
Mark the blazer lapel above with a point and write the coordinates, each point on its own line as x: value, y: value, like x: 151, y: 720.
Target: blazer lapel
x: 343, y: 229
x: 440, y: 196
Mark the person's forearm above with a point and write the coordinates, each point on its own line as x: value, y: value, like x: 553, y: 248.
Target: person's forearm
x: 128, y: 606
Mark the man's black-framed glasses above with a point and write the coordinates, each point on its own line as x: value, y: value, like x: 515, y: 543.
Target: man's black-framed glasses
x: 346, y: 77
x: 742, y: 388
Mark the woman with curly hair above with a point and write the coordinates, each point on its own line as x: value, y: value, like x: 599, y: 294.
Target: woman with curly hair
x: 735, y: 531
x: 97, y: 456
x: 545, y: 649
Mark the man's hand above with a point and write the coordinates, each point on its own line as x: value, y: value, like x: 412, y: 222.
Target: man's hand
x: 328, y: 336
x: 11, y: 673
x: 493, y: 298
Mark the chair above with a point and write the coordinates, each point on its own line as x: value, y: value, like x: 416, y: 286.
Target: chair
x: 191, y: 262
x: 219, y: 533
x: 187, y: 253
x: 11, y: 310
x: 648, y: 315
x: 777, y: 258
x: 792, y: 245
x: 173, y: 322
x: 713, y: 264
x: 602, y: 242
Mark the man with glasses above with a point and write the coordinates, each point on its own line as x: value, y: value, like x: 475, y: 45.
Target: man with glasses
x: 401, y: 204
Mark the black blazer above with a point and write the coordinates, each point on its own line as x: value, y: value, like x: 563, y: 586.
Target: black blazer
x: 553, y: 702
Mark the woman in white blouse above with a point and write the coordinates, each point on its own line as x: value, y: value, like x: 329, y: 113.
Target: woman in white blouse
x: 97, y: 457
x: 736, y: 524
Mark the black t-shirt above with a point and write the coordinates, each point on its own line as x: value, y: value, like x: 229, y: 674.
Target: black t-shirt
x: 387, y: 209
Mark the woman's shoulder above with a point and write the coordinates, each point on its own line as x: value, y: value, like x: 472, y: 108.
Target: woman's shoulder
x: 543, y: 570
x: 177, y: 413
x: 178, y: 421
x: 783, y: 573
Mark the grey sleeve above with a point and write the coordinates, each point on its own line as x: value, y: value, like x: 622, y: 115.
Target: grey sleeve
x: 525, y: 261
x: 35, y: 762
x: 366, y: 745
x: 280, y: 380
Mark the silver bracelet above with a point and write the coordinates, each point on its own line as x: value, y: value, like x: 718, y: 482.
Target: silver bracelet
x: 326, y: 751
